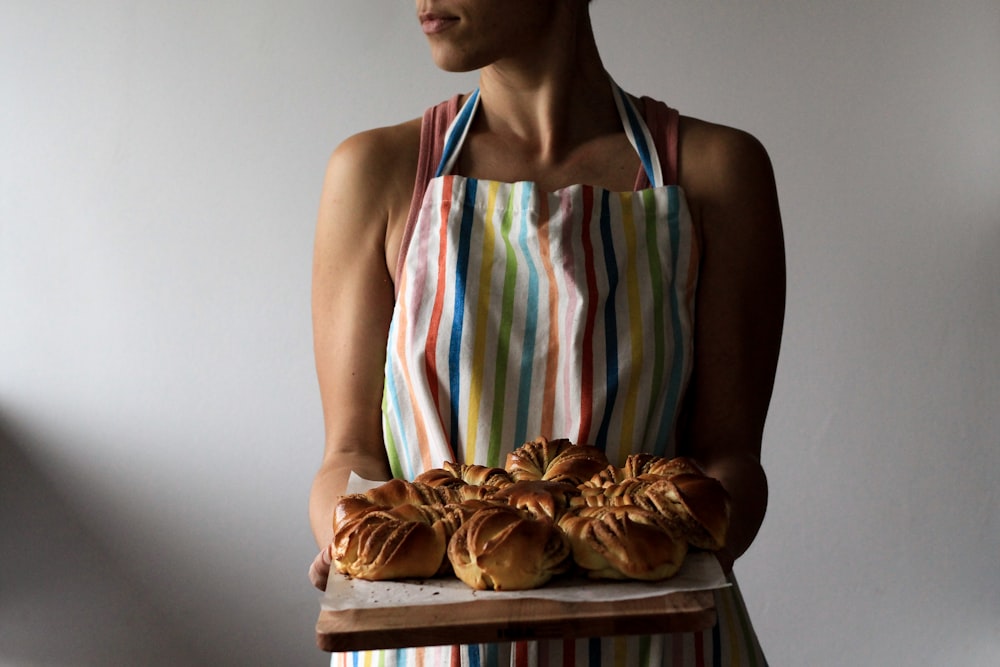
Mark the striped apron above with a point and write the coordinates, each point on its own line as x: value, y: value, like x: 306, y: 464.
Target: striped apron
x: 567, y: 314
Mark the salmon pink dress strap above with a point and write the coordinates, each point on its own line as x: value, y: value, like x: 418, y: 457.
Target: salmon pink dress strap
x: 433, y: 129
x: 664, y: 124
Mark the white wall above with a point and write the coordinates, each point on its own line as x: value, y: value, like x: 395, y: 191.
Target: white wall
x: 159, y: 418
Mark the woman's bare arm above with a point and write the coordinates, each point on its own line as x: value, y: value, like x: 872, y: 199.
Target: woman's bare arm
x: 365, y: 196
x: 739, y: 315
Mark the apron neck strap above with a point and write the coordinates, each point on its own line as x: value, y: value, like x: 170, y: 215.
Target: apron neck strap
x: 632, y: 121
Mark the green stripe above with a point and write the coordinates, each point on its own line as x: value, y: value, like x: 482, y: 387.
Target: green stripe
x: 390, y: 441
x: 656, y: 283
x: 744, y: 620
x: 503, y: 337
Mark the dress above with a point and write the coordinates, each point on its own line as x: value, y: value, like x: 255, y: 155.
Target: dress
x: 568, y: 314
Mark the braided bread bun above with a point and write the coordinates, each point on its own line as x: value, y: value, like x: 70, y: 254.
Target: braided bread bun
x: 540, y: 499
x: 456, y: 474
x: 404, y: 542
x: 650, y: 464
x: 639, y: 465
x: 555, y: 461
x: 502, y: 548
x: 695, y: 505
x: 623, y: 542
x: 378, y: 545
x: 398, y: 493
x: 705, y: 513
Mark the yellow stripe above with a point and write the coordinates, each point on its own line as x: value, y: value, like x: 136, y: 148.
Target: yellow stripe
x: 726, y: 607
x: 621, y: 651
x: 482, y: 322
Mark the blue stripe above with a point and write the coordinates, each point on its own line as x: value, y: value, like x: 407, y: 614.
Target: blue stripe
x: 610, y: 321
x: 530, y: 325
x: 594, y: 652
x: 676, y: 366
x: 391, y: 397
x: 458, y: 310
x: 716, y: 644
x: 640, y: 138
x: 461, y: 120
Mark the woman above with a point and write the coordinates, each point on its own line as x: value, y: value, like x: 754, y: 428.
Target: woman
x: 548, y: 256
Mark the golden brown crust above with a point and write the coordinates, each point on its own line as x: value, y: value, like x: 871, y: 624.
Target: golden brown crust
x: 555, y: 461
x: 649, y: 464
x: 530, y: 460
x: 634, y: 522
x: 502, y: 548
x: 697, y: 504
x: 539, y: 498
x: 456, y: 474
x: 706, y: 509
x: 379, y: 546
x: 625, y: 542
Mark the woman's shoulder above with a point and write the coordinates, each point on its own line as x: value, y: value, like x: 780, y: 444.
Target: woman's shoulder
x: 382, y: 151
x: 715, y: 156
x: 395, y: 147
x: 377, y: 167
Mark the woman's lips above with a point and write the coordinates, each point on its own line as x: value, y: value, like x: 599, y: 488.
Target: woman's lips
x: 434, y: 23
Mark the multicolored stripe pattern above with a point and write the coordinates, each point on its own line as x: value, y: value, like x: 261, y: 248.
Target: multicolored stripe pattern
x: 523, y: 313
x: 566, y: 314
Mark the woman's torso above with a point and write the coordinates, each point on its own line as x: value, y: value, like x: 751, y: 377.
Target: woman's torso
x: 522, y: 312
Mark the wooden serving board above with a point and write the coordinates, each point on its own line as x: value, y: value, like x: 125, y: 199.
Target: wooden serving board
x: 509, y: 619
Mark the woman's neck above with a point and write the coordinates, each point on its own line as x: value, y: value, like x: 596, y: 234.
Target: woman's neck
x: 554, y: 98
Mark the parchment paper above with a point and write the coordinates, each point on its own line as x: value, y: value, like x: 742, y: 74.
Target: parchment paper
x: 701, y: 571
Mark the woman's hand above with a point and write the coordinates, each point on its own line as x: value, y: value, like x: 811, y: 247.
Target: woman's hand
x: 319, y: 571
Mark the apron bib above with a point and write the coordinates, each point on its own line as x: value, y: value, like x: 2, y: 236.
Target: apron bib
x: 522, y: 313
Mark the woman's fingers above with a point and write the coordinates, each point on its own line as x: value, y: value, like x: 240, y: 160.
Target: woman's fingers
x: 319, y: 571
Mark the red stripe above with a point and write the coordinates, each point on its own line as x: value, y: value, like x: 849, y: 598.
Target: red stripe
x: 521, y: 654
x: 699, y: 649
x: 430, y: 347
x: 569, y: 652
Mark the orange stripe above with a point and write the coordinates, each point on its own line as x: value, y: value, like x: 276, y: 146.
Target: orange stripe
x: 551, y: 367
x: 430, y: 347
x: 418, y: 419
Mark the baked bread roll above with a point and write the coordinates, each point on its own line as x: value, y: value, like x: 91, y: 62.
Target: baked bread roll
x: 539, y: 498
x: 555, y: 461
x: 456, y: 474
x: 608, y: 476
x: 696, y: 506
x: 638, y: 465
x: 378, y: 545
x: 629, y: 491
x: 407, y: 541
x: 650, y: 464
x: 623, y: 542
x: 502, y: 548
x: 706, y: 509
x: 398, y: 492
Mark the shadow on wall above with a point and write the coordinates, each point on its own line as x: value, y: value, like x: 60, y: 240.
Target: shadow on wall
x: 63, y: 601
